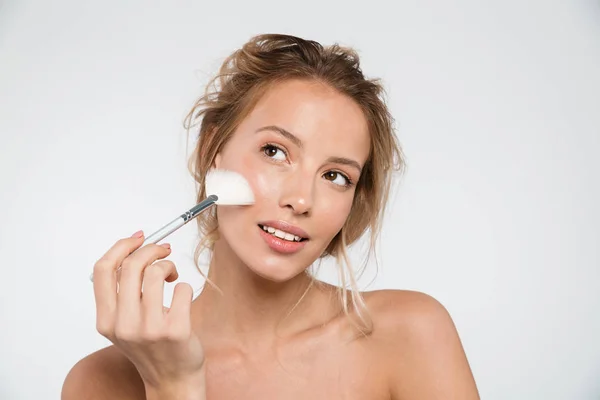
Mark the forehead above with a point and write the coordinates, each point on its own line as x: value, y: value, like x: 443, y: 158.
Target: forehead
x: 316, y: 113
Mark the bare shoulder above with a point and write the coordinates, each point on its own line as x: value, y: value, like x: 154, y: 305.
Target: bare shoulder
x: 405, y: 309
x: 402, y: 316
x: 104, y: 374
x: 418, y: 342
x: 393, y: 299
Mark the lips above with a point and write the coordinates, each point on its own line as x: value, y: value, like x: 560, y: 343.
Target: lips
x: 281, y: 234
x: 286, y: 228
x: 285, y: 238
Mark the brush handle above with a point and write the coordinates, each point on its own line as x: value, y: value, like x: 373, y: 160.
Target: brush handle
x: 175, y: 224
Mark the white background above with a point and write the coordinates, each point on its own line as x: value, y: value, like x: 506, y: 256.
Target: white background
x: 498, y: 110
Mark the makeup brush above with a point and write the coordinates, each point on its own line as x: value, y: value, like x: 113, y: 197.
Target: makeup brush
x: 223, y: 187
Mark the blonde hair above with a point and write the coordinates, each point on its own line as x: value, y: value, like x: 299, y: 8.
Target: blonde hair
x: 231, y: 95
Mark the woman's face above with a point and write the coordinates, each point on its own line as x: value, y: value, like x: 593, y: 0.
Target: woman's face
x: 301, y: 149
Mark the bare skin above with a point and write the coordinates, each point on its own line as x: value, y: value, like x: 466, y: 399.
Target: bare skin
x: 250, y: 350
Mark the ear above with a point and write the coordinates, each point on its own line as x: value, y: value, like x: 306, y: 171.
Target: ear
x: 217, y: 161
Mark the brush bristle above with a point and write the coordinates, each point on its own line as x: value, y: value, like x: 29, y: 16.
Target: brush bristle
x: 230, y: 187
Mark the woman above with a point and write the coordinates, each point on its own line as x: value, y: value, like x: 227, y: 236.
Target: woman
x: 315, y: 140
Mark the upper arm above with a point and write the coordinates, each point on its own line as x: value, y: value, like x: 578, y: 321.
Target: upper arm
x: 427, y: 359
x: 105, y: 374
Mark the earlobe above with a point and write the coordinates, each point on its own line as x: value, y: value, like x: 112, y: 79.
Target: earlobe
x: 217, y: 161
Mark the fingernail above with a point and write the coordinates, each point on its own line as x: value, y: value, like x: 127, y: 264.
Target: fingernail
x: 166, y: 246
x: 138, y: 234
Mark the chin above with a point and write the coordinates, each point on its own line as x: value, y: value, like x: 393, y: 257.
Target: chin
x: 273, y: 267
x: 265, y: 262
x: 267, y: 256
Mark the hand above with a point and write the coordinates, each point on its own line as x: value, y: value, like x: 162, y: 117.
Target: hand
x: 159, y: 341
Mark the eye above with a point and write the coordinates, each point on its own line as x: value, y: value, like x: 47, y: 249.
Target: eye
x: 274, y: 152
x: 338, y: 178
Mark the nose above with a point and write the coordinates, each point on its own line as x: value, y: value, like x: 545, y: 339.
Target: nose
x: 297, y: 193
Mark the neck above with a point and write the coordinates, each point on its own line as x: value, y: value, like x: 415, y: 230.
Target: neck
x: 254, y: 312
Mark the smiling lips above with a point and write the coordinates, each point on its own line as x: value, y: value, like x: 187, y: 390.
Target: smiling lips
x: 283, y: 237
x: 281, y: 234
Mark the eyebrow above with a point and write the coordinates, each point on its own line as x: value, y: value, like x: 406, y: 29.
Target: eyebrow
x: 345, y: 161
x: 294, y: 139
x: 288, y: 135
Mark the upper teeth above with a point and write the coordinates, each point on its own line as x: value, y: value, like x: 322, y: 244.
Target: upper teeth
x: 281, y: 234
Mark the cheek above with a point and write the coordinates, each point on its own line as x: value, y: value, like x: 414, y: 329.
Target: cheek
x: 246, y: 167
x: 334, y: 212
x: 264, y: 182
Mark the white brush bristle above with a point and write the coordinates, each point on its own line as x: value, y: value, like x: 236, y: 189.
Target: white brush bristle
x: 230, y: 187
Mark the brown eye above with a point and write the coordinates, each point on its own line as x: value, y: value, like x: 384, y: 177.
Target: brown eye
x: 270, y: 151
x: 274, y: 152
x: 337, y: 178
x: 331, y: 175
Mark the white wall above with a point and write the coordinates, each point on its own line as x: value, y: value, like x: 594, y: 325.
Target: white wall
x: 498, y: 107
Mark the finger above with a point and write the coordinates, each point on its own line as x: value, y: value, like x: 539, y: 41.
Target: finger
x: 130, y: 282
x: 105, y: 281
x: 179, y: 313
x: 152, y: 295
